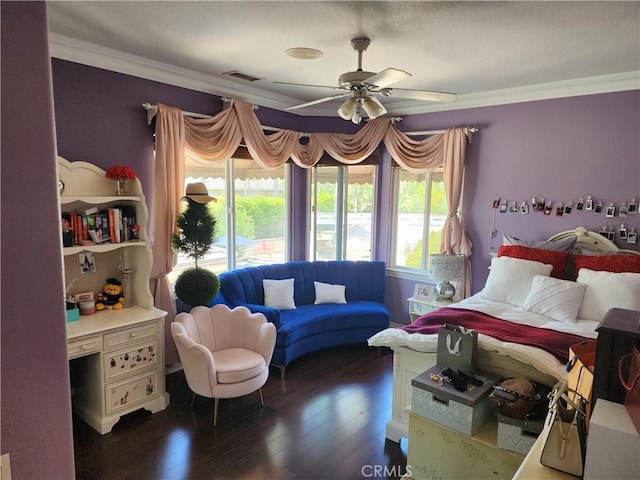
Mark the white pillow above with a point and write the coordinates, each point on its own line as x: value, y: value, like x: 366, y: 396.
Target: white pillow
x: 328, y: 293
x: 555, y: 298
x: 510, y: 279
x: 279, y: 294
x: 607, y: 290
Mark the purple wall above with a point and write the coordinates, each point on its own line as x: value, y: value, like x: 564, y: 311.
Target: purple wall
x: 36, y: 406
x: 560, y: 148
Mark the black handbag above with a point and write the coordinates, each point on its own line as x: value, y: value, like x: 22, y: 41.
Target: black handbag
x: 565, y: 432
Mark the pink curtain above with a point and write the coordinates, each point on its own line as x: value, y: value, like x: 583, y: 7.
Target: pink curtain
x: 454, y: 239
x: 217, y: 138
x: 168, y: 190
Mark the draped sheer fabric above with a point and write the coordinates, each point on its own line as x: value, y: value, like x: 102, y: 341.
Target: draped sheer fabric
x: 216, y: 139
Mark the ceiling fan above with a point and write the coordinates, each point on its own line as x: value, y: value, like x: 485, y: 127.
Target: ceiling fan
x: 361, y: 86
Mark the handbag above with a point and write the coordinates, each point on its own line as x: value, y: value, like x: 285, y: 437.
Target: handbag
x: 580, y: 368
x: 631, y: 383
x: 564, y: 434
x: 457, y: 348
x: 518, y: 398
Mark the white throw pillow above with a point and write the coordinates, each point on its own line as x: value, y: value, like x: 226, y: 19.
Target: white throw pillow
x: 555, y: 298
x: 279, y: 294
x: 510, y: 279
x: 328, y: 293
x: 606, y: 290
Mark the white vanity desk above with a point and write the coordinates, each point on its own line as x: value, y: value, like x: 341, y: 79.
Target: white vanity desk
x: 117, y: 364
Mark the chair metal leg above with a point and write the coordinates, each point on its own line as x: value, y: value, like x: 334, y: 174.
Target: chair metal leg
x: 193, y: 399
x: 215, y: 411
x: 261, y: 397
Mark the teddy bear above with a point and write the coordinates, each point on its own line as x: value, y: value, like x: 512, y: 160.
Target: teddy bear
x: 111, y: 296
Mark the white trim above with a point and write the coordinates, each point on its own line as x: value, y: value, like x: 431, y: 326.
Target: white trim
x: 97, y: 56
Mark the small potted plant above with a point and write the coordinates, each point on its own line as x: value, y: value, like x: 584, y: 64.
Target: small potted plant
x: 196, y: 232
x: 121, y: 174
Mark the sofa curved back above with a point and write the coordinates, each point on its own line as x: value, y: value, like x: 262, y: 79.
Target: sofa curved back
x: 364, y: 281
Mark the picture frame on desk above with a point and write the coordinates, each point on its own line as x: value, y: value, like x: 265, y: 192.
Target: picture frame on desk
x: 424, y: 291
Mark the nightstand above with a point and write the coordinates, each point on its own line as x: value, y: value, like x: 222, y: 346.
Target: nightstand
x: 420, y: 306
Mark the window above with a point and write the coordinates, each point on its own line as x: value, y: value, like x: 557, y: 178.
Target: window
x: 342, y: 212
x: 251, y: 213
x: 419, y: 212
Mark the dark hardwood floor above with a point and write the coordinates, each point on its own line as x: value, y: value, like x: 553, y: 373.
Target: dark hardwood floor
x: 326, y: 420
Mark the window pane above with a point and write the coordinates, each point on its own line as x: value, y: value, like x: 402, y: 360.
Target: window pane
x: 326, y: 204
x: 419, y: 215
x: 410, y: 219
x: 257, y: 214
x: 260, y: 214
x: 359, y: 212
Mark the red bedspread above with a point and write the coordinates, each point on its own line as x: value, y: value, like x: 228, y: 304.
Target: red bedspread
x: 554, y: 342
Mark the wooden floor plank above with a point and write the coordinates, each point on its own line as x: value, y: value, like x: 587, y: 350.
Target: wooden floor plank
x: 325, y: 420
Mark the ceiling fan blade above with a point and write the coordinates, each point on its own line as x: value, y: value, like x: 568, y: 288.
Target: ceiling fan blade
x: 387, y: 77
x: 307, y: 85
x: 418, y: 95
x: 320, y: 100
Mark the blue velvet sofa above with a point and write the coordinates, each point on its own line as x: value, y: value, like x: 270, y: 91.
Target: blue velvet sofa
x: 311, y: 327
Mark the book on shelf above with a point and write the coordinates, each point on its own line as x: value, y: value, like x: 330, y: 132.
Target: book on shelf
x: 97, y: 237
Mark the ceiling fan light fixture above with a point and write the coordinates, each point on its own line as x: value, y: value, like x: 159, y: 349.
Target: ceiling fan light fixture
x: 348, y: 108
x: 373, y: 107
x: 357, y: 116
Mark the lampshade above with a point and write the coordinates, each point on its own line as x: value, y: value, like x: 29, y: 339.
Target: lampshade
x: 447, y: 267
x: 373, y: 107
x: 348, y: 108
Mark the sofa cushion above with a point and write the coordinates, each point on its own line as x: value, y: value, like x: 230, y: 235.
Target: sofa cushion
x: 235, y: 365
x: 309, y: 320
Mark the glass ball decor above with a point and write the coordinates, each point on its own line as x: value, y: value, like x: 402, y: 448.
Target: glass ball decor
x: 445, y: 290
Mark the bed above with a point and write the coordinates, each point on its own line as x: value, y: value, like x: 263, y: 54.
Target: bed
x: 596, y: 275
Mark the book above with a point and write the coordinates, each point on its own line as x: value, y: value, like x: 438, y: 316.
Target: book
x: 97, y: 237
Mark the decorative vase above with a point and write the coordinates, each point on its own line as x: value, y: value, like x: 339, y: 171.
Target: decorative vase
x: 122, y: 185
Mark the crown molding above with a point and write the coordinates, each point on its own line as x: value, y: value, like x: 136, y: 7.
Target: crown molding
x: 93, y: 55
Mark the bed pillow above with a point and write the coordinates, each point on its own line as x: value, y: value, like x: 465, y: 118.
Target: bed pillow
x: 554, y: 298
x: 607, y: 290
x: 557, y: 259
x: 609, y: 263
x: 566, y: 244
x: 279, y: 294
x: 510, y: 279
x: 328, y: 293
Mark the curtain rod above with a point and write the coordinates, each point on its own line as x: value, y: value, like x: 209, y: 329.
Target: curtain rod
x: 153, y: 109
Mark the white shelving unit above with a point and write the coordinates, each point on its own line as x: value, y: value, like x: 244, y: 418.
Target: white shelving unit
x: 116, y: 356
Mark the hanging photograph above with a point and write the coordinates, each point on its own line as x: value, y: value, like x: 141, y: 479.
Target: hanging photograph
x: 611, y: 211
x: 632, y: 237
x: 87, y: 262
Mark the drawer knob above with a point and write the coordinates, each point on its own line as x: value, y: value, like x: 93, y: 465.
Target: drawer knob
x: 83, y: 347
x: 132, y: 335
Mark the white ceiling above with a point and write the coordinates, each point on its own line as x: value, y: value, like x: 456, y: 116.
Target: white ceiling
x: 486, y: 52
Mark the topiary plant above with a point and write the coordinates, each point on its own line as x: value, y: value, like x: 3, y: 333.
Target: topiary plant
x: 196, y: 232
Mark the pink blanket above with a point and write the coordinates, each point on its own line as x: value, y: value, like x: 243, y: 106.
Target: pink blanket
x: 554, y: 342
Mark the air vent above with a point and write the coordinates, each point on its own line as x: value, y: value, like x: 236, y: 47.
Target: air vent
x: 241, y: 76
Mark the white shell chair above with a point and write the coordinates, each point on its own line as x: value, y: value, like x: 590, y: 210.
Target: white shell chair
x: 225, y: 353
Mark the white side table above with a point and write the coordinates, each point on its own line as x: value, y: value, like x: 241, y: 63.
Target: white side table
x: 420, y: 306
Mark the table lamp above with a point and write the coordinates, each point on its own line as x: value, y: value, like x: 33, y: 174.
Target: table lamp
x: 444, y: 268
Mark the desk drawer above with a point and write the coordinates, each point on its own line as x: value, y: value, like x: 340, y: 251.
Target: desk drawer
x: 131, y: 391
x: 132, y: 359
x: 129, y: 335
x: 83, y: 346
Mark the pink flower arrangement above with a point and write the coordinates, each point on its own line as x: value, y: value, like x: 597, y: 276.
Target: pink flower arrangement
x: 120, y: 171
